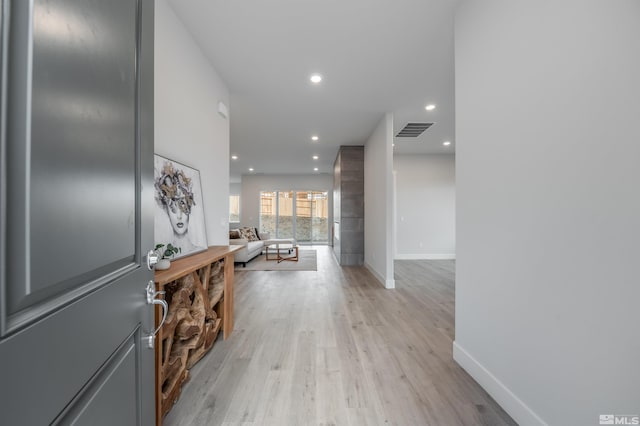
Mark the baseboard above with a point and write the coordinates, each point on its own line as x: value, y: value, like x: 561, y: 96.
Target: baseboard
x: 386, y: 283
x: 518, y: 410
x: 374, y: 273
x: 425, y: 256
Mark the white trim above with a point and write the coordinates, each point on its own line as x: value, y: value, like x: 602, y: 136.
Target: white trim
x: 425, y: 256
x: 374, y: 273
x: 395, y: 212
x: 390, y: 283
x: 513, y: 405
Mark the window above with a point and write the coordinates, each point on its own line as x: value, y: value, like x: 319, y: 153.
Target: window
x: 302, y: 215
x: 268, y: 213
x: 234, y: 208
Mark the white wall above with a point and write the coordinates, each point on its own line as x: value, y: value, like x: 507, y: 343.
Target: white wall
x: 425, y: 206
x: 548, y: 206
x: 253, y: 184
x: 235, y: 188
x: 188, y: 128
x: 378, y: 202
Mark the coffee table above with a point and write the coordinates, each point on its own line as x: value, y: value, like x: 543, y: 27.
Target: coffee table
x: 273, y: 252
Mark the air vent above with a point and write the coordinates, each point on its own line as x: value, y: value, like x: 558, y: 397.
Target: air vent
x: 413, y: 130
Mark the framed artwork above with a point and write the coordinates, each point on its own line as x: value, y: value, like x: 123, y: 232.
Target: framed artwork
x: 179, y: 214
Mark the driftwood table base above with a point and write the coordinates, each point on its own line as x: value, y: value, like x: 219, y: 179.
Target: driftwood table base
x: 199, y: 292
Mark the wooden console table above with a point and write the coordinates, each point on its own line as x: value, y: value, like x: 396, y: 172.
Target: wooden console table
x: 199, y: 292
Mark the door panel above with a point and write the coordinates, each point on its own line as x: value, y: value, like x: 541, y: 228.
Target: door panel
x: 52, y: 360
x: 319, y: 217
x: 114, y: 385
x: 303, y: 216
x: 285, y: 214
x: 82, y: 124
x: 77, y: 163
x: 77, y: 153
x: 268, y: 213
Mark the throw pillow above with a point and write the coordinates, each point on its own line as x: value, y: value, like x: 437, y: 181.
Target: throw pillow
x: 257, y: 233
x: 248, y: 234
x: 234, y: 233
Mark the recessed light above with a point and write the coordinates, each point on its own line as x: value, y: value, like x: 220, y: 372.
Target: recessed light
x: 446, y: 143
x: 250, y: 169
x: 314, y: 138
x: 316, y: 78
x: 234, y: 157
x: 315, y: 169
x: 315, y: 157
x: 430, y: 107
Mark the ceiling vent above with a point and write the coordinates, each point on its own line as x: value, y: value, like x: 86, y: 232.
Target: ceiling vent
x: 413, y: 130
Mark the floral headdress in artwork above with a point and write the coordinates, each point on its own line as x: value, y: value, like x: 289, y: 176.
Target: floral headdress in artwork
x: 169, y: 184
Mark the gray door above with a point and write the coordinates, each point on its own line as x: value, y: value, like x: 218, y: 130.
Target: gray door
x: 76, y: 165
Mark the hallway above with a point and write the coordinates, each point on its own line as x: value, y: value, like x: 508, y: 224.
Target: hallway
x: 333, y: 347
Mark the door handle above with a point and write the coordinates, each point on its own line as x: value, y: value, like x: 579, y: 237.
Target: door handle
x: 152, y: 259
x: 151, y: 300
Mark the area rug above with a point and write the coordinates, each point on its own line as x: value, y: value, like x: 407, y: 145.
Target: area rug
x: 308, y: 261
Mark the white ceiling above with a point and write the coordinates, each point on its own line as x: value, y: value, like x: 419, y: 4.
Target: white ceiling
x: 375, y: 56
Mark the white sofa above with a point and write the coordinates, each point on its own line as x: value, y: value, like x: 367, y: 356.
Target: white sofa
x: 251, y: 249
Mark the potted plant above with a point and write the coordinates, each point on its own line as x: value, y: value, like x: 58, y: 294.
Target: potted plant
x: 165, y: 252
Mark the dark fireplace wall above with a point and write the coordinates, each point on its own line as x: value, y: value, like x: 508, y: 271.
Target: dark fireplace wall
x: 348, y: 205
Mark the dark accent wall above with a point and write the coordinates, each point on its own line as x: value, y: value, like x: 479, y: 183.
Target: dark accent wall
x: 348, y: 205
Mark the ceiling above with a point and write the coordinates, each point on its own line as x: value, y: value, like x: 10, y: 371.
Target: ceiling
x: 375, y: 56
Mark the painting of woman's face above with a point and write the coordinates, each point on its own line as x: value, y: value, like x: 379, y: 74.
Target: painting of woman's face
x: 178, y: 213
x: 179, y: 219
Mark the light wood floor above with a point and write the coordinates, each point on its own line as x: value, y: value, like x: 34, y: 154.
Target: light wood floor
x: 333, y: 347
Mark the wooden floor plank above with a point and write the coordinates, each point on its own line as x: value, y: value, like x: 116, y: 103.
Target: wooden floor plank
x: 334, y: 347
